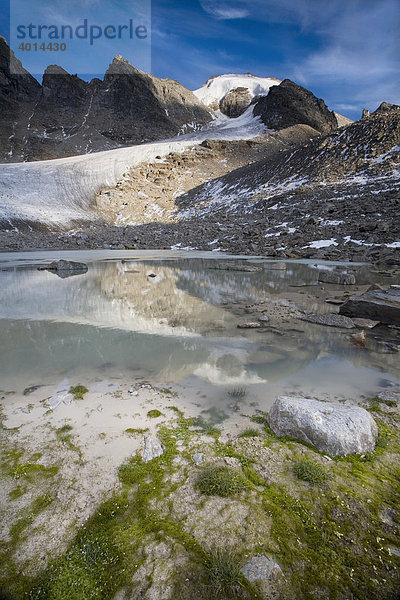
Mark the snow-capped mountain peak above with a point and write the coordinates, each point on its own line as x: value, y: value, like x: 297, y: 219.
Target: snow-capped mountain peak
x: 216, y: 88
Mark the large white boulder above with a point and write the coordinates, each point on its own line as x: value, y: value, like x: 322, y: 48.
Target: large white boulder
x: 332, y: 428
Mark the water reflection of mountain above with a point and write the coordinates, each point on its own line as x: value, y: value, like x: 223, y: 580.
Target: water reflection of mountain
x: 164, y: 328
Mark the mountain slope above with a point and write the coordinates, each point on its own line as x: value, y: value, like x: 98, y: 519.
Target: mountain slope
x: 67, y: 116
x: 315, y: 199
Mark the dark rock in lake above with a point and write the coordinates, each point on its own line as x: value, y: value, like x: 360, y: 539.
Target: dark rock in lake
x: 377, y: 305
x: 65, y: 268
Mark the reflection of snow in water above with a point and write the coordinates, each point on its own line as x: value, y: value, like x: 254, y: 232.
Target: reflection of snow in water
x: 116, y: 322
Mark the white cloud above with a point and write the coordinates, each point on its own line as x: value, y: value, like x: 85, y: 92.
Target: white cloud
x: 224, y: 10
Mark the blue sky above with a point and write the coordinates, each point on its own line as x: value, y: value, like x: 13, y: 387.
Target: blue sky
x: 345, y: 51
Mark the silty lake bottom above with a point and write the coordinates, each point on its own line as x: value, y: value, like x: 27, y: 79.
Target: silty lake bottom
x: 188, y: 350
x: 171, y: 319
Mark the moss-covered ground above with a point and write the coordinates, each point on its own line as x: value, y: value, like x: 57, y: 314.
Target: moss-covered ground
x: 161, y: 536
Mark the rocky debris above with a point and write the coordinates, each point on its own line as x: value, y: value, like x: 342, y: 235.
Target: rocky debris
x: 70, y: 116
x: 365, y: 113
x: 235, y: 102
x: 337, y: 184
x: 152, y: 448
x: 333, y: 429
x: 336, y: 277
x: 289, y: 104
x: 377, y: 305
x: 390, y: 396
x: 198, y: 458
x: 65, y: 268
x: 365, y: 323
x: 61, y: 394
x: 331, y: 320
x: 261, y: 567
x: 263, y: 319
x: 249, y: 325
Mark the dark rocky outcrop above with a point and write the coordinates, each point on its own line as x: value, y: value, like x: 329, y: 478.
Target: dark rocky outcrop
x: 385, y: 107
x: 289, y: 104
x: 19, y: 92
x: 383, y: 306
x: 235, y: 102
x: 66, y: 116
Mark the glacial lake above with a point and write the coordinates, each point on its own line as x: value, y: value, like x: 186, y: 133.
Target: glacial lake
x: 169, y: 318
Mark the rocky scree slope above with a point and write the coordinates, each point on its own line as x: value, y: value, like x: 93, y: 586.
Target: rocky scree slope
x: 148, y: 192
x: 333, y: 196
x: 66, y: 116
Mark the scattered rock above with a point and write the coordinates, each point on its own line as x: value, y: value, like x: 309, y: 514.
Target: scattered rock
x: 331, y: 320
x: 390, y: 396
x: 198, y: 458
x: 31, y: 389
x: 65, y: 268
x: 61, y: 394
x: 365, y: 323
x: 337, y: 278
x: 336, y: 301
x: 152, y: 448
x: 263, y: 319
x: 261, y: 567
x: 334, y: 429
x: 378, y: 305
x: 232, y: 462
x: 249, y: 325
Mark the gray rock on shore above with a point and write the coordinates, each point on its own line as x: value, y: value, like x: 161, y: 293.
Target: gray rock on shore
x: 152, y: 448
x: 378, y: 305
x: 333, y: 429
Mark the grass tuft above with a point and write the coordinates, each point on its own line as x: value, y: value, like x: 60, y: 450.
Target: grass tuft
x: 223, y: 574
x: 220, y: 481
x: 306, y: 470
x: 78, y: 391
x: 237, y: 393
x: 248, y: 433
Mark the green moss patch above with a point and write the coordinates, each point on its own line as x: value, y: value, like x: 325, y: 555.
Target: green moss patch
x: 154, y: 414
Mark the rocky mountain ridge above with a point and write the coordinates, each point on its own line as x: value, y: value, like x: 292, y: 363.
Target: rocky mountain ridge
x: 66, y: 116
